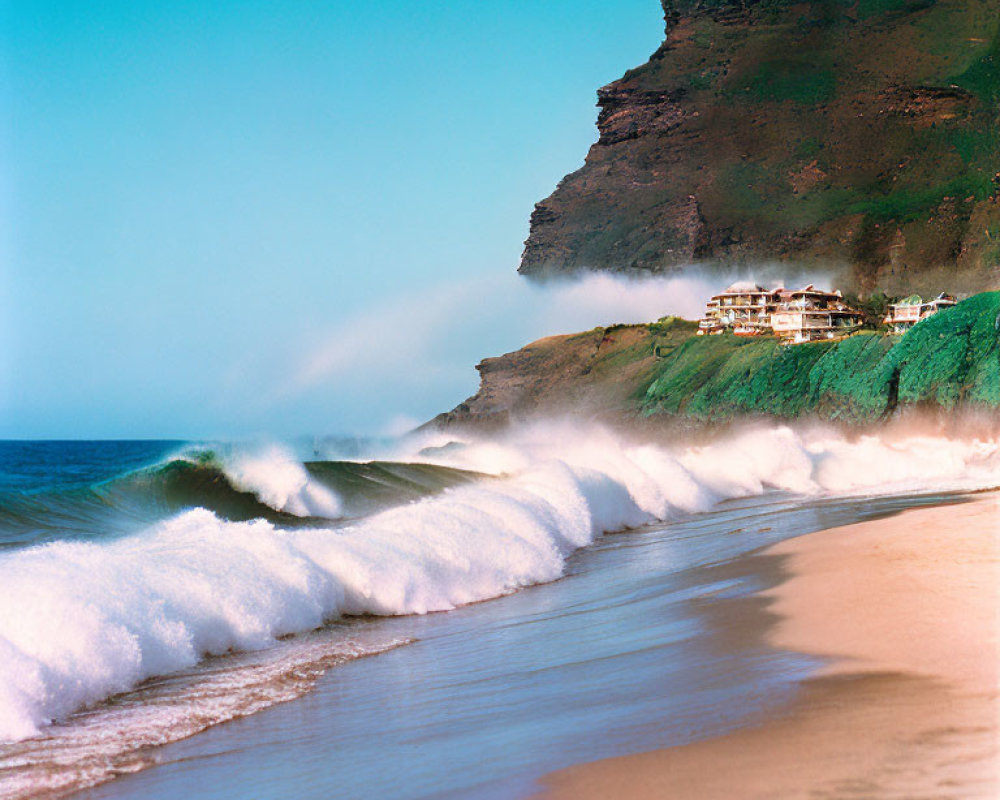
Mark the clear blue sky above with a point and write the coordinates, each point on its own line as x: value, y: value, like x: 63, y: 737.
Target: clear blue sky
x: 193, y: 195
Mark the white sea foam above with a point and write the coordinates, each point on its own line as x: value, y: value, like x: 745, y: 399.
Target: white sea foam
x: 116, y: 738
x: 748, y: 461
x: 81, y: 621
x: 282, y: 482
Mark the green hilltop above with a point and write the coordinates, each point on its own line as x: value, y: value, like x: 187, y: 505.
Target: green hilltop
x: 662, y: 371
x: 948, y: 361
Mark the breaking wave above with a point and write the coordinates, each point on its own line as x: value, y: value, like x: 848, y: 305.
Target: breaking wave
x: 278, y: 480
x: 83, y: 620
x: 239, y: 485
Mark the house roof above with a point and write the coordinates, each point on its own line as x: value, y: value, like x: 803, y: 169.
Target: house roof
x: 744, y: 287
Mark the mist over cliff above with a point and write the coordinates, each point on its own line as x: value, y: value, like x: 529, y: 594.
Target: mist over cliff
x: 860, y: 135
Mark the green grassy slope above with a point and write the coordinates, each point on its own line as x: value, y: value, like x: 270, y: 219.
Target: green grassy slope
x: 948, y: 361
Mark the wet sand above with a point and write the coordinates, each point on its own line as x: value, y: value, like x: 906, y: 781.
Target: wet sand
x: 906, y: 610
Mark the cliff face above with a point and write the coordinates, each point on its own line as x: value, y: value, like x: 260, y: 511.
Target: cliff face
x: 599, y: 373
x: 858, y: 134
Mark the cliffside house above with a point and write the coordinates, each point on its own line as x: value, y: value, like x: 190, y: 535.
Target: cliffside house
x: 808, y: 314
x: 908, y: 312
x: 801, y: 315
x: 744, y: 308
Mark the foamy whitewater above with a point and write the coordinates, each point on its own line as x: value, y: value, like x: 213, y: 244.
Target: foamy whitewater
x: 273, y: 474
x: 83, y: 620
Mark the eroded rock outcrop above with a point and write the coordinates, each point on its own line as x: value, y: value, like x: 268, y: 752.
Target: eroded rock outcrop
x: 859, y: 134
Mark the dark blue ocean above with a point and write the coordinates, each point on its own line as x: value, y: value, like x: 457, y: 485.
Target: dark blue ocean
x: 59, y: 489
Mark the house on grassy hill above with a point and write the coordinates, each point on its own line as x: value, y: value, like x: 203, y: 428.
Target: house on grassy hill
x: 808, y: 314
x: 909, y: 311
x: 795, y: 315
x: 743, y: 308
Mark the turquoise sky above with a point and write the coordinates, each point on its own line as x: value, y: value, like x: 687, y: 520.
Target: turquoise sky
x: 196, y: 196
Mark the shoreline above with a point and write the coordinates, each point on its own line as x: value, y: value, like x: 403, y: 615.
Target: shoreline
x: 906, y: 705
x: 627, y: 627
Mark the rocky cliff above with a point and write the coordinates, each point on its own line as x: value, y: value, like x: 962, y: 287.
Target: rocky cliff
x: 861, y: 135
x: 602, y: 373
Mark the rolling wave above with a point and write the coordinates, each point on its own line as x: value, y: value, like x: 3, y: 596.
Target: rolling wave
x: 80, y: 621
x: 237, y: 486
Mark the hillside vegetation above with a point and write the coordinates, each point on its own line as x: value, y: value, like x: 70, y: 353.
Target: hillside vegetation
x: 948, y: 361
x: 662, y: 370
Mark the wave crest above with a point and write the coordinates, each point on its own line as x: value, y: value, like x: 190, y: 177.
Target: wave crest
x: 283, y: 483
x: 81, y: 621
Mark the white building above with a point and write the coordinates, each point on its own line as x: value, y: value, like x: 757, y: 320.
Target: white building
x: 908, y: 312
x: 808, y: 314
x: 743, y: 308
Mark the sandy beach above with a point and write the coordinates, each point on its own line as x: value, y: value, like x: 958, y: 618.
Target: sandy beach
x: 905, y: 609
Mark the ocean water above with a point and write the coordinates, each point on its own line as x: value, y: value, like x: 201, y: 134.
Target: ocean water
x: 151, y: 591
